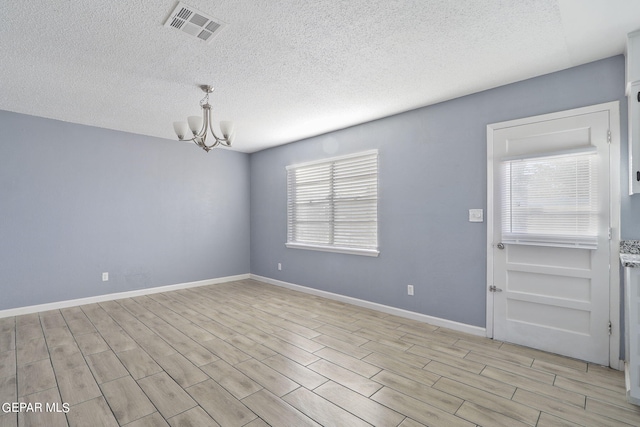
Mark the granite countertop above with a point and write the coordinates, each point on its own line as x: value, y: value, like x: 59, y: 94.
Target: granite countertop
x: 630, y: 253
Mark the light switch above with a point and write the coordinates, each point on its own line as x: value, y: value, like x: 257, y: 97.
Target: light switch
x: 476, y: 215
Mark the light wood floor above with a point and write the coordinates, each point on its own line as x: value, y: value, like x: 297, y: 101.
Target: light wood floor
x: 251, y: 354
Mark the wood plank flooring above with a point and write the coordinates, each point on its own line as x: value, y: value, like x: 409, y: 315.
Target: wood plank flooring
x: 250, y: 354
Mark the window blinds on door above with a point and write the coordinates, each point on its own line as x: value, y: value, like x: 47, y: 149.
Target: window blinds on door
x: 551, y: 200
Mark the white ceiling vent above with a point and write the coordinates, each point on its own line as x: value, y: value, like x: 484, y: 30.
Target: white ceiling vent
x: 193, y: 22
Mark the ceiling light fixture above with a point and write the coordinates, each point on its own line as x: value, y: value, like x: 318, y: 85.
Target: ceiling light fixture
x: 200, y: 126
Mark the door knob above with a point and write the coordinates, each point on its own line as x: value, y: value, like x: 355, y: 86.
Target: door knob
x: 500, y: 246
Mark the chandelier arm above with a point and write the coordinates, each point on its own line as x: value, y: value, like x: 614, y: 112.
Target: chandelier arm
x: 194, y: 140
x: 219, y: 141
x: 207, y: 124
x: 206, y: 112
x: 199, y: 141
x: 209, y: 147
x: 213, y: 132
x: 203, y: 141
x: 200, y: 138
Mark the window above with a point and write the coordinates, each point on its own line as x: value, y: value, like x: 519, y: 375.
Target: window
x: 332, y: 205
x: 551, y: 200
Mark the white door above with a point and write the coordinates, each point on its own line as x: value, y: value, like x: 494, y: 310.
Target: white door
x: 550, y: 248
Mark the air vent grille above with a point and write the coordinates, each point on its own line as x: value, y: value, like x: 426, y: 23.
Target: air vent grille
x: 194, y: 23
x: 204, y: 35
x: 184, y: 13
x: 177, y: 23
x: 199, y: 20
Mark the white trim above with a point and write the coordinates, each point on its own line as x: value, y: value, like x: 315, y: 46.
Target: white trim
x: 336, y: 249
x: 614, y: 224
x: 119, y: 295
x: 436, y: 321
x: 613, y: 108
x: 557, y: 115
x: 552, y: 154
x: 333, y: 159
x: 489, y: 248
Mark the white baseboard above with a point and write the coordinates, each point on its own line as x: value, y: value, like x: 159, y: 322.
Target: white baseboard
x: 436, y: 321
x: 119, y: 295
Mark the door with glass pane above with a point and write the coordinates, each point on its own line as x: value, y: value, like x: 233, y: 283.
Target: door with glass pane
x: 550, y: 249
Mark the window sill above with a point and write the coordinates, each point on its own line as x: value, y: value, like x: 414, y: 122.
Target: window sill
x: 351, y: 251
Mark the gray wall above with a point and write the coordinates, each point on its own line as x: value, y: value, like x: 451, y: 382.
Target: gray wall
x: 432, y: 170
x: 76, y: 201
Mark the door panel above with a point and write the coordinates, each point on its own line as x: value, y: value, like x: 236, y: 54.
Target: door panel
x: 571, y: 288
x: 553, y: 298
x: 559, y: 257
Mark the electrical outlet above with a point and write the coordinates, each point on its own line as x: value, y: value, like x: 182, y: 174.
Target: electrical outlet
x: 279, y: 267
x: 409, y: 289
x: 105, y: 277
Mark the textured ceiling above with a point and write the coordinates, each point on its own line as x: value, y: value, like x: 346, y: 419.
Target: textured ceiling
x: 286, y: 70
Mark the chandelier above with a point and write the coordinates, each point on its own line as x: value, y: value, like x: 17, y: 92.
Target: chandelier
x: 200, y: 126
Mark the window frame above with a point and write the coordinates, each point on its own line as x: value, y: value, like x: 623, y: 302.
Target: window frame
x: 372, y: 252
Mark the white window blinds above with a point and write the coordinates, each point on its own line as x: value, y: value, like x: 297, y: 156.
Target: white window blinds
x: 332, y: 204
x: 551, y: 200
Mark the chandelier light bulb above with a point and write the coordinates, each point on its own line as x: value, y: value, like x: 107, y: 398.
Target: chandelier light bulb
x: 226, y: 127
x: 195, y: 124
x: 181, y: 129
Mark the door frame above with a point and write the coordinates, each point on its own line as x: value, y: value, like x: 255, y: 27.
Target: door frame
x: 613, y: 108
